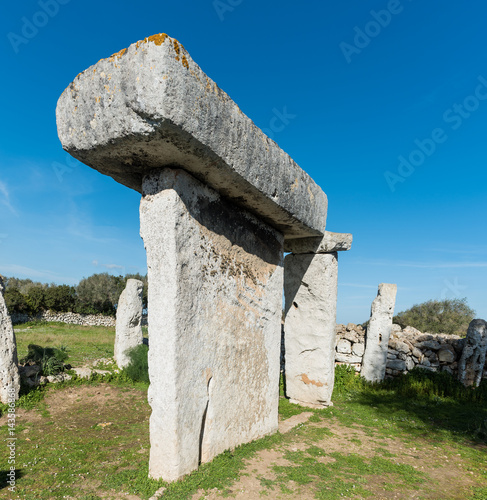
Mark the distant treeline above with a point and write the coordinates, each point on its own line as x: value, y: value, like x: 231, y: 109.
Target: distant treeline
x: 97, y: 294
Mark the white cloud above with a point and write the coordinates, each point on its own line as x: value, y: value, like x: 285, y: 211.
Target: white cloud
x: 5, y: 197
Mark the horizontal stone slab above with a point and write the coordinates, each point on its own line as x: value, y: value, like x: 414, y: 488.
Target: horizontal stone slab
x: 151, y: 106
x: 329, y: 243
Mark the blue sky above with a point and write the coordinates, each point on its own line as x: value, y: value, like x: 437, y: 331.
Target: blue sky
x: 386, y: 109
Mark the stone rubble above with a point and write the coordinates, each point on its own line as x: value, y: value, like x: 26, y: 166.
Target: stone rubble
x: 408, y: 348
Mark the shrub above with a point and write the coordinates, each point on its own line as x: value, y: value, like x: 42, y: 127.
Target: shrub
x: 138, y: 367
x: 450, y: 316
x: 50, y: 359
x: 15, y: 301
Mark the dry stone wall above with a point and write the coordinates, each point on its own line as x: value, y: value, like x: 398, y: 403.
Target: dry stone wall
x: 69, y: 318
x: 408, y: 348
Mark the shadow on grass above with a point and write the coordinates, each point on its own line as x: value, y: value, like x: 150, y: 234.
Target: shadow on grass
x: 420, y: 403
x: 4, y: 478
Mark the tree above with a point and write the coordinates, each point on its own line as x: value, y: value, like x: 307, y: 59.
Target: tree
x: 451, y: 316
x: 35, y: 299
x: 15, y: 301
x: 60, y: 298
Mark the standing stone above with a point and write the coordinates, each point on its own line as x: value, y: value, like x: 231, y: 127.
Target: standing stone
x: 215, y: 276
x: 472, y: 361
x: 128, y: 327
x: 378, y: 333
x: 9, y: 370
x: 310, y: 289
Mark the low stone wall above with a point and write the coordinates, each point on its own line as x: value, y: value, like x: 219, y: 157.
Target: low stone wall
x: 408, y: 348
x: 70, y: 318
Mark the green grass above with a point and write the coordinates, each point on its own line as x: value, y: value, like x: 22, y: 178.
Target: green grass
x: 100, y: 447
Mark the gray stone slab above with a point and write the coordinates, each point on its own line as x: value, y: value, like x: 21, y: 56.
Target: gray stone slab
x: 310, y: 290
x: 378, y: 334
x: 151, y: 106
x: 215, y: 277
x: 128, y: 327
x: 9, y: 370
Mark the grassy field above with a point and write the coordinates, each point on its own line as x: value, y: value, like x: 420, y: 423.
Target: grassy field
x: 90, y: 440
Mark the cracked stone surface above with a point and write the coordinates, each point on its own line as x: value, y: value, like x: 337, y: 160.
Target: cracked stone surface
x: 310, y: 290
x: 215, y: 277
x: 378, y: 333
x: 472, y: 362
x: 151, y: 106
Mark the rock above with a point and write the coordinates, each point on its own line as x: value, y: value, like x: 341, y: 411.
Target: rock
x: 391, y: 355
x: 378, y: 333
x: 399, y: 346
x: 447, y: 354
x: 425, y: 362
x: 60, y: 377
x: 215, y: 275
x: 410, y: 364
x: 344, y: 347
x: 395, y: 328
x: 358, y: 349
x: 422, y: 338
x: 329, y: 243
x: 184, y: 119
x: 128, y: 330
x: 396, y: 364
x: 402, y: 356
x: 417, y: 353
x: 430, y: 344
x: 310, y: 291
x: 472, y: 361
x: 351, y: 336
x: 82, y: 372
x: 9, y: 371
x: 347, y: 358
x: 412, y: 331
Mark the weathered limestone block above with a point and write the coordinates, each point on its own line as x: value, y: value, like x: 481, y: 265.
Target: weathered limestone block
x: 329, y: 243
x: 310, y: 290
x: 344, y: 346
x: 128, y: 327
x: 151, y: 106
x: 378, y: 333
x: 447, y: 354
x: 9, y: 370
x: 472, y: 361
x: 215, y: 276
x: 358, y: 349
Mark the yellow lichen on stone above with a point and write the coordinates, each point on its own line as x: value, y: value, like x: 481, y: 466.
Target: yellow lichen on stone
x: 311, y: 195
x: 185, y: 62
x: 97, y: 99
x: 156, y: 39
x: 117, y: 55
x: 295, y: 184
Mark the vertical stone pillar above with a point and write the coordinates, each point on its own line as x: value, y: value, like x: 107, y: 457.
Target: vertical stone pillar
x: 472, y: 362
x: 128, y: 326
x: 9, y: 369
x: 215, y: 276
x: 378, y: 333
x: 310, y: 289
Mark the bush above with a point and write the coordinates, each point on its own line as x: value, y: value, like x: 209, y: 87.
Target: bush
x: 450, y: 316
x: 16, y: 302
x: 138, y: 368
